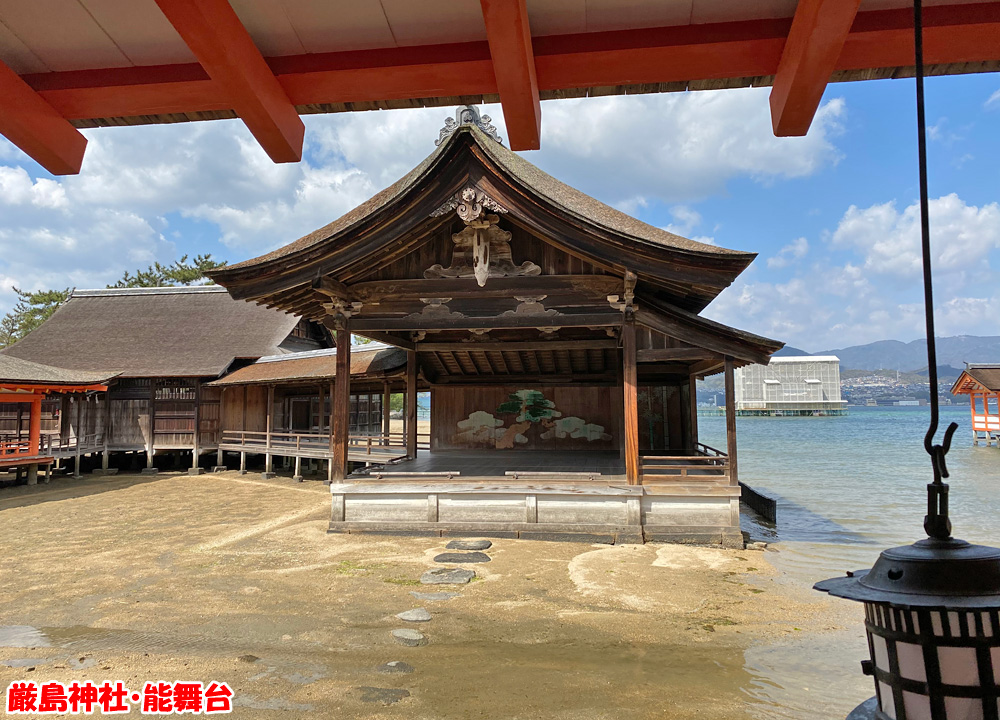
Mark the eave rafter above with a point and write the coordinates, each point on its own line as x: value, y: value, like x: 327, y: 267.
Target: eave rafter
x: 657, y: 58
x: 815, y: 42
x: 214, y: 33
x: 37, y: 128
x: 509, y: 37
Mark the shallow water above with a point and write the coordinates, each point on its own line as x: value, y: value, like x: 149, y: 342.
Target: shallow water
x: 847, y: 488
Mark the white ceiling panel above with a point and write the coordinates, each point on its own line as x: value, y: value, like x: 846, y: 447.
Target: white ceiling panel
x: 557, y: 17
x: 269, y: 26
x: 16, y: 54
x: 711, y: 11
x: 332, y: 25
x: 632, y: 14
x: 140, y: 30
x: 62, y: 34
x: 435, y: 21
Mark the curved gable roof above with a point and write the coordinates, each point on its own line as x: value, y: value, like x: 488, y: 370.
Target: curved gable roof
x: 154, y: 332
x: 651, y: 251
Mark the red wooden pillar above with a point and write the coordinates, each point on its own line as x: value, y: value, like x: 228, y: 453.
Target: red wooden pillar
x: 341, y: 405
x: 630, y: 383
x: 35, y: 425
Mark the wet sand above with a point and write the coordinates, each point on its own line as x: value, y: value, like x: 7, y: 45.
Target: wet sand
x: 231, y: 578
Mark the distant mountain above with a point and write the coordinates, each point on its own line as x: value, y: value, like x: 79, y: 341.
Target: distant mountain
x: 789, y: 351
x: 912, y: 356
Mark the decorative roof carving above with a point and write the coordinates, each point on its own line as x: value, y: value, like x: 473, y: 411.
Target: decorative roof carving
x: 468, y: 115
x: 482, y: 251
x: 470, y: 203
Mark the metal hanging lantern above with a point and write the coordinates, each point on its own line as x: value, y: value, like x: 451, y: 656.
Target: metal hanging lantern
x: 932, y: 616
x: 932, y: 609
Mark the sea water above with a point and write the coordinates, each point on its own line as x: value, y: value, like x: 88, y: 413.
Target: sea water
x: 847, y: 488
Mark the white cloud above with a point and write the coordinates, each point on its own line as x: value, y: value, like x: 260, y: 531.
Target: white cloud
x: 795, y: 250
x: 678, y: 148
x: 962, y: 236
x: 875, y: 296
x: 993, y: 100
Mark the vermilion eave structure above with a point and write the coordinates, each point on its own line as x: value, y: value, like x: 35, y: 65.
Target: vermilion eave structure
x: 68, y: 64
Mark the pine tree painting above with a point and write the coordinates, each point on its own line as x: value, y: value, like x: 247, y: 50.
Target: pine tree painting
x: 529, y: 407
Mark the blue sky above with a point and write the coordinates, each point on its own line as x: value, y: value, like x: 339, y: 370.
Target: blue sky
x: 832, y: 215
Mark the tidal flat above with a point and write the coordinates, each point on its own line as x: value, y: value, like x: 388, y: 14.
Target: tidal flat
x: 231, y: 578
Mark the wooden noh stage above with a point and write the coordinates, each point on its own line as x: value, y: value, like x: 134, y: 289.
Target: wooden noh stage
x: 26, y: 438
x: 280, y: 406
x: 560, y: 340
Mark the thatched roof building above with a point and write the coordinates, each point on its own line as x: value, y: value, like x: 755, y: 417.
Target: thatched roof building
x: 159, y: 332
x: 15, y: 371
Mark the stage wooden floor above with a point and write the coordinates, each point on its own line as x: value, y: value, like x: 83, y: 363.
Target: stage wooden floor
x: 498, y: 463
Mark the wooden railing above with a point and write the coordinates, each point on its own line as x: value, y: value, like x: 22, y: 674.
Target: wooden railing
x: 14, y: 448
x: 288, y: 443
x: 710, y: 465
x: 53, y: 443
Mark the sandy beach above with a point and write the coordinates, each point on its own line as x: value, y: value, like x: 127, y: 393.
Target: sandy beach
x: 229, y: 578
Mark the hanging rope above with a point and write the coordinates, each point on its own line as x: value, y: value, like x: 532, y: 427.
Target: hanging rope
x: 936, y: 523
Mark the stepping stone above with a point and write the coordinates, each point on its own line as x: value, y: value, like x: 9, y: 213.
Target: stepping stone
x: 386, y: 696
x: 434, y: 597
x: 472, y: 557
x: 469, y: 545
x: 418, y: 615
x: 395, y: 667
x: 447, y: 576
x: 410, y: 638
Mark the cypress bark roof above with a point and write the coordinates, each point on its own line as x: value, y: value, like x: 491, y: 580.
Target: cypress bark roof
x: 25, y: 372
x: 155, y: 332
x: 316, y: 365
x: 555, y: 191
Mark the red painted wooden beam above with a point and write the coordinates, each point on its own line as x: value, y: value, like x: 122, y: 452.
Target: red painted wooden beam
x: 37, y: 128
x: 881, y: 38
x: 227, y: 53
x: 509, y: 37
x: 815, y: 42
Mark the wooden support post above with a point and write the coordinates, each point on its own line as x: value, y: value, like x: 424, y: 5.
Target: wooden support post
x: 298, y: 469
x: 731, y: 422
x: 196, y: 439
x: 631, y: 402
x: 106, y: 432
x: 33, y: 474
x: 243, y: 462
x: 693, y: 402
x: 341, y: 409
x: 79, y: 420
x: 411, y: 404
x: 321, y: 411
x: 35, y: 427
x: 386, y: 420
x: 151, y: 441
x: 268, y: 458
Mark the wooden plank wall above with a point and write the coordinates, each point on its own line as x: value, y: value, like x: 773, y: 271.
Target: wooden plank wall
x: 664, y: 418
x: 453, y: 405
x: 209, y: 416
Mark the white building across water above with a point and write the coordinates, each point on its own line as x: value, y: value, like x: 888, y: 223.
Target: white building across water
x: 791, y: 386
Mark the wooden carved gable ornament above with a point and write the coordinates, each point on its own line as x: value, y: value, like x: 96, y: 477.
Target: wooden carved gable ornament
x: 482, y: 249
